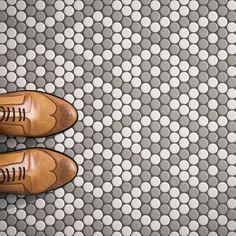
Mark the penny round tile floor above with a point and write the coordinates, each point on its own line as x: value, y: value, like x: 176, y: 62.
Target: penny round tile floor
x: 154, y: 85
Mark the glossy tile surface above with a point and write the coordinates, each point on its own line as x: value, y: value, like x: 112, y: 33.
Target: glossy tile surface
x: 154, y: 86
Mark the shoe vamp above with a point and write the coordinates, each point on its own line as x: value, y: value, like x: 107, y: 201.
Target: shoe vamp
x: 40, y: 118
x: 40, y: 173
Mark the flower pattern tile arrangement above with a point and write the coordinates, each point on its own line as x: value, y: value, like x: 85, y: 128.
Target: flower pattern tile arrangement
x: 154, y: 85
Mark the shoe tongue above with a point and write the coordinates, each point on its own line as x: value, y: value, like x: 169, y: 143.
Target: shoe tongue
x: 4, y: 176
x: 10, y: 175
x: 1, y: 177
x: 14, y: 108
x: 13, y: 165
x: 2, y: 113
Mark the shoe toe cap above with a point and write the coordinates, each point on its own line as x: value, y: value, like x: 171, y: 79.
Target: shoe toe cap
x: 65, y: 171
x: 65, y: 116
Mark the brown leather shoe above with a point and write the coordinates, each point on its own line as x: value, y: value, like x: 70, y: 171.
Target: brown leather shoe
x: 34, y: 114
x: 33, y: 171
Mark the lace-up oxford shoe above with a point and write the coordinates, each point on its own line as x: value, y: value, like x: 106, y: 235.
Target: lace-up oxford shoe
x: 33, y: 171
x: 34, y: 114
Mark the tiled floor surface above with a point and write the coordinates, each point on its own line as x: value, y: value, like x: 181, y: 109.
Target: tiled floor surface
x: 154, y: 86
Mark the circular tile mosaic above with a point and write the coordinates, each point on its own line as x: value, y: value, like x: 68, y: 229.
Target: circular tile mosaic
x: 154, y: 86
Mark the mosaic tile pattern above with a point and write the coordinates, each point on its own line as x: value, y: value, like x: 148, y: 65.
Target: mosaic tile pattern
x: 154, y: 86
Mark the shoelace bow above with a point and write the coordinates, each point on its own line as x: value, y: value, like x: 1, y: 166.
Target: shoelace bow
x: 7, y: 177
x: 7, y: 111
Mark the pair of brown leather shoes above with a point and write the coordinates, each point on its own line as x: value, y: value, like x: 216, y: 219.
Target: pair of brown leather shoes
x: 34, y: 114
